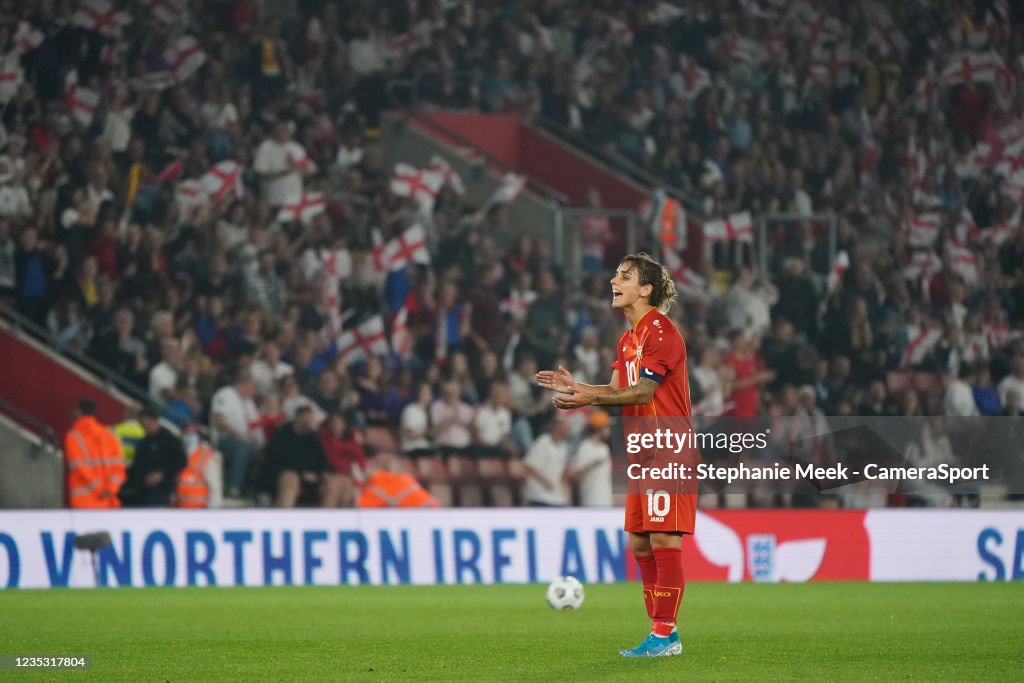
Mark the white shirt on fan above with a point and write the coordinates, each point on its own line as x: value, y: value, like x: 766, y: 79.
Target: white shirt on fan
x: 277, y: 157
x: 240, y: 414
x: 549, y: 457
x: 595, y: 486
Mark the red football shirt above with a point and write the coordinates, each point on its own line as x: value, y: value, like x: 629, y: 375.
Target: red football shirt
x: 746, y: 402
x: 655, y: 350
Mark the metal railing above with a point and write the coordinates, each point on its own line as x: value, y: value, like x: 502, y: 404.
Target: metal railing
x: 100, y: 373
x: 487, y: 160
x: 44, y: 432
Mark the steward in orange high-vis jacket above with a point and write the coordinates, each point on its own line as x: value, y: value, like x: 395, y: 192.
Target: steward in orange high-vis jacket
x: 95, y: 466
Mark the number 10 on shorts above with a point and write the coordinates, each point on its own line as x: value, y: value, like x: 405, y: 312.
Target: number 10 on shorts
x: 658, y: 503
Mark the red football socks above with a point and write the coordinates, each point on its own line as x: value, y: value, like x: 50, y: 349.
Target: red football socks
x: 649, y: 577
x: 668, y: 589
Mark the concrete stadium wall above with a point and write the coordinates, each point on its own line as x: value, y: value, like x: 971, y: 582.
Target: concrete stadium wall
x: 32, y: 472
x: 404, y: 141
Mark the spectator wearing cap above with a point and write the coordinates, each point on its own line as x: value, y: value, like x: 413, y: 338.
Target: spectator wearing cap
x: 591, y: 469
x: 159, y: 457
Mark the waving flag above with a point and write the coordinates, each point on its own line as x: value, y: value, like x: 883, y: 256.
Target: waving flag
x: 82, y: 102
x: 512, y: 185
x: 223, y: 182
x: 451, y: 179
x: 359, y: 343
x: 924, y: 229
x: 28, y: 37
x: 692, y: 78
x: 303, y: 209
x: 737, y: 227
x: 979, y: 67
x: 687, y: 280
x: 922, y: 266
x: 11, y: 76
x: 190, y: 197
x: 419, y: 185
x: 964, y: 262
x: 100, y: 16
x: 922, y: 341
x: 401, y: 340
x: 185, y: 58
x: 409, y: 247
x: 167, y: 12
x: 839, y: 268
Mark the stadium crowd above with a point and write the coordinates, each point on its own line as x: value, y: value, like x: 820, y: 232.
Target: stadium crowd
x: 195, y: 195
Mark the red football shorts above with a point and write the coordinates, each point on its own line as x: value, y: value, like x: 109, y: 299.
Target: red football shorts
x: 660, y: 511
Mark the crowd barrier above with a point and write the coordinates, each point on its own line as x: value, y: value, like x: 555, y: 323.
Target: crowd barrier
x: 321, y: 547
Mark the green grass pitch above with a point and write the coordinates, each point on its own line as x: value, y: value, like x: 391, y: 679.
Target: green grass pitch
x: 833, y: 631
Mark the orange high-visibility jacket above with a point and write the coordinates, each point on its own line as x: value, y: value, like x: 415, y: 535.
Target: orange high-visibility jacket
x: 672, y: 224
x: 95, y: 466
x: 192, y: 489
x: 391, y: 489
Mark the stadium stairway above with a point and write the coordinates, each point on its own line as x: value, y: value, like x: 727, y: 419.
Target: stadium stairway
x: 43, y: 384
x: 31, y: 461
x: 559, y: 170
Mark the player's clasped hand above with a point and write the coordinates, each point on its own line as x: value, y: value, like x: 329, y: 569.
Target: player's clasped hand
x: 559, y: 380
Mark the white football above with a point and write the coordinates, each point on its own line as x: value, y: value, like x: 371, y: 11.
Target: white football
x: 565, y: 593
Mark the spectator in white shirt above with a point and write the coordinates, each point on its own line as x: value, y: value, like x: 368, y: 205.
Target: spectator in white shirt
x: 281, y: 163
x: 235, y: 419
x: 494, y: 444
x: 592, y: 467
x: 269, y: 370
x: 545, y: 465
x: 959, y: 398
x: 452, y: 421
x: 1014, y: 381
x: 164, y: 374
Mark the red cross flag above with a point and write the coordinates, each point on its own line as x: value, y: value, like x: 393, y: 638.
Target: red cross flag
x: 839, y: 268
x: 451, y: 179
x: 924, y: 229
x: 359, y: 343
x: 922, y: 340
x: 420, y: 185
x: 11, y: 76
x: 742, y: 49
x: 402, y: 46
x: 409, y: 247
x: 100, y: 16
x: 689, y: 281
x: 223, y: 182
x: 692, y: 78
x: 883, y: 32
x: 963, y: 262
x: 816, y: 28
x: 185, y: 57
x: 979, y: 67
x: 512, y: 185
x: 28, y: 37
x: 966, y: 229
x: 302, y: 209
x: 401, y: 341
x: 166, y: 12
x: 190, y: 197
x: 922, y: 266
x: 737, y: 227
x: 82, y: 102
x: 997, y: 234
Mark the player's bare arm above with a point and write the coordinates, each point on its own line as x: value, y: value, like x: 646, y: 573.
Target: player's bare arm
x: 584, y: 395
